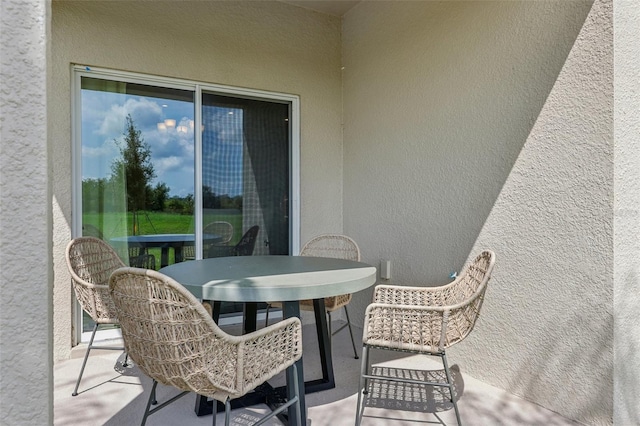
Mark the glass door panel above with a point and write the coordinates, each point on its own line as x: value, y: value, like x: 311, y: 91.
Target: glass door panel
x: 245, y: 175
x: 144, y: 160
x: 137, y: 170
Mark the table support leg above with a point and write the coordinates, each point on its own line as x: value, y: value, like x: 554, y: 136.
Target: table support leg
x: 164, y: 256
x: 324, y: 343
x: 216, y: 310
x: 177, y: 254
x: 250, y: 317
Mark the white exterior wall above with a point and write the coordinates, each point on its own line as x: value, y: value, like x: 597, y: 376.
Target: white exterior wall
x: 472, y: 125
x: 627, y: 213
x: 262, y: 45
x: 26, y: 368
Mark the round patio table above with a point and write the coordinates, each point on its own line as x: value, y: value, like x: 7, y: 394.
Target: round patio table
x: 164, y: 241
x: 287, y: 279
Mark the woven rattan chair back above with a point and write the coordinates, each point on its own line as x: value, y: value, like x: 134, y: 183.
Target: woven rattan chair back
x: 140, y: 258
x: 335, y: 246
x: 174, y: 340
x: 244, y: 247
x: 220, y: 228
x: 91, y: 261
x: 167, y: 331
x: 425, y: 320
x: 247, y: 243
x: 332, y: 245
x: 339, y: 247
x: 89, y: 230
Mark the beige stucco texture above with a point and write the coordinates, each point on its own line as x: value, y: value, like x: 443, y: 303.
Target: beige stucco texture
x: 627, y: 213
x: 472, y: 125
x: 25, y: 226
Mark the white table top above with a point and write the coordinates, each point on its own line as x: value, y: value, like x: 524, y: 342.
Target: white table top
x: 271, y: 278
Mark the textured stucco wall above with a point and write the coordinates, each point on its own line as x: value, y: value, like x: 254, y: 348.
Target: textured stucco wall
x: 24, y: 206
x: 627, y: 213
x: 553, y: 228
x: 25, y: 249
x: 490, y: 124
x: 262, y: 45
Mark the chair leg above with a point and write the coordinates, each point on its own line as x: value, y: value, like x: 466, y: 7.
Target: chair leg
x: 353, y: 342
x: 293, y: 401
x: 86, y: 357
x: 152, y: 397
x: 450, y: 382
x: 227, y: 411
x: 215, y: 412
x: 266, y: 316
x: 362, y: 390
x: 152, y: 401
x: 296, y: 390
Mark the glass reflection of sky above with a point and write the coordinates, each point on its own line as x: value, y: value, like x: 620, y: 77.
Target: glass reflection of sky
x: 222, y: 149
x: 172, y: 149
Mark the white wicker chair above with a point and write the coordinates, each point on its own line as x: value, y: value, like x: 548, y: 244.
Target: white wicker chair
x: 173, y: 340
x: 91, y: 261
x: 424, y: 320
x: 334, y: 246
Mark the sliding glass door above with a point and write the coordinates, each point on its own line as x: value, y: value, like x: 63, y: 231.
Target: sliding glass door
x: 167, y: 170
x: 245, y: 174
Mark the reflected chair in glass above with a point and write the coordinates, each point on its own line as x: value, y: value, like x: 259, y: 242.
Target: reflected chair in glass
x: 335, y: 246
x: 220, y: 228
x: 423, y: 320
x: 140, y: 258
x: 89, y: 230
x: 91, y: 261
x: 174, y: 341
x: 244, y: 247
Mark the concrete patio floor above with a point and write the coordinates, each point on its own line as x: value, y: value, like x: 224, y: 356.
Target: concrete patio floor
x: 111, y: 395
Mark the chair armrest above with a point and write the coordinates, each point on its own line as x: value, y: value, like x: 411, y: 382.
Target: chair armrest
x: 268, y: 351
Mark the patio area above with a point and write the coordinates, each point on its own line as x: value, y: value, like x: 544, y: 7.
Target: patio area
x: 428, y: 131
x: 112, y: 395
